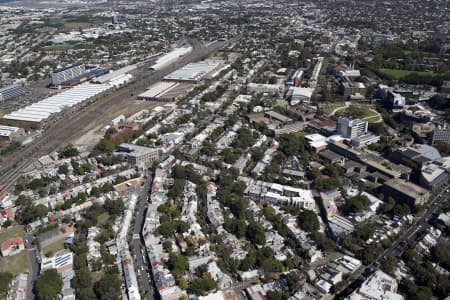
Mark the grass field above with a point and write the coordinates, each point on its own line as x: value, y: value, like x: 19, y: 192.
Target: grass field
x: 15, y: 264
x: 281, y: 103
x: 54, y: 247
x: 12, y: 232
x: 361, y: 111
x: 102, y: 219
x: 329, y: 107
x: 397, y: 74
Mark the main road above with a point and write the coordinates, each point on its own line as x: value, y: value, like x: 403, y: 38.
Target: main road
x: 69, y: 127
x: 421, y: 223
x: 140, y: 257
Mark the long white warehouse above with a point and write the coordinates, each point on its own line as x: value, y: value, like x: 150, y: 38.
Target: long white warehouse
x: 170, y: 57
x: 37, y: 114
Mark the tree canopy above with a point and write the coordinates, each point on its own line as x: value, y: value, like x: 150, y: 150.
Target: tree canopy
x: 48, y: 285
x: 307, y: 220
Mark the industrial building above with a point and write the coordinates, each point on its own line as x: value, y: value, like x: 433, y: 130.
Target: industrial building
x: 165, y: 91
x: 406, y: 192
x: 170, y: 57
x: 10, y: 92
x: 8, y: 133
x: 67, y: 73
x: 194, y: 72
x: 90, y: 74
x: 440, y: 135
x: 115, y: 75
x: 40, y: 114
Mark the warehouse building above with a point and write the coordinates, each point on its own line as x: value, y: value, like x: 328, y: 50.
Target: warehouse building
x: 67, y: 73
x: 170, y: 57
x: 8, y: 133
x: 165, y: 91
x: 41, y: 114
x: 116, y: 75
x: 10, y: 92
x: 406, y: 192
x: 194, y: 72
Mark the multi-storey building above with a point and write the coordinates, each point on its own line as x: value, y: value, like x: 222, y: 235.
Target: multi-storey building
x: 352, y: 128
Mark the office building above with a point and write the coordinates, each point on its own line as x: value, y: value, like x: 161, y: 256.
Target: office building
x: 349, y: 88
x: 60, y: 262
x: 365, y: 140
x: 434, y: 175
x: 139, y: 155
x: 352, y: 128
x: 395, y: 100
x: 379, y: 286
x: 64, y: 74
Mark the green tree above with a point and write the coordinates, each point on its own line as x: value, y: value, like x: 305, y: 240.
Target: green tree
x: 63, y: 169
x: 389, y: 264
x: 68, y: 151
x: 256, y: 233
x: 441, y: 254
x: 166, y: 229
x: 307, y: 220
x: 322, y: 241
x: 202, y: 285
x: 5, y: 279
x: 357, y: 203
x: 48, y: 285
x: 178, y: 264
x: 108, y: 287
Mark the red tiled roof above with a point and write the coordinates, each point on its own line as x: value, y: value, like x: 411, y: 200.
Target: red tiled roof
x: 11, y: 242
x: 7, y: 213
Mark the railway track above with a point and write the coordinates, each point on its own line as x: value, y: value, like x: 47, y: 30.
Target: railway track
x: 65, y: 130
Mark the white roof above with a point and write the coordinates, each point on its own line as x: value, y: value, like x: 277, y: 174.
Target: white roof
x: 301, y: 92
x: 115, y: 74
x: 158, y: 89
x: 315, y: 137
x: 193, y: 71
x: 216, y: 296
x: 41, y: 110
x: 171, y: 57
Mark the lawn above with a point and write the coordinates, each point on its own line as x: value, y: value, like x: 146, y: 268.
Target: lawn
x: 102, y: 219
x: 54, y: 247
x: 328, y: 107
x: 398, y: 74
x: 281, y: 103
x: 15, y: 264
x: 12, y: 232
x: 361, y: 111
